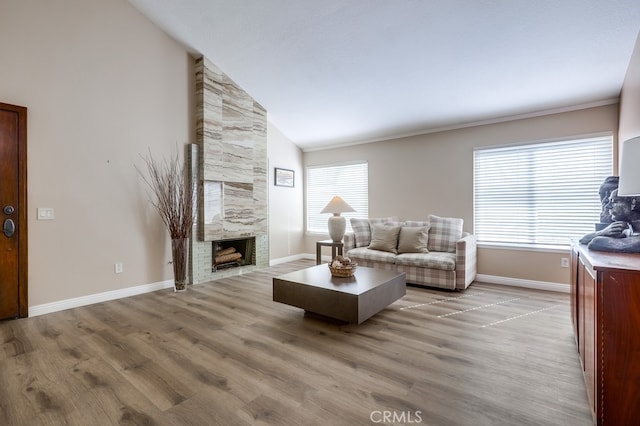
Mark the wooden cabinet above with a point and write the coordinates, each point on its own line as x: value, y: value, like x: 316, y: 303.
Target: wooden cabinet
x: 605, y: 309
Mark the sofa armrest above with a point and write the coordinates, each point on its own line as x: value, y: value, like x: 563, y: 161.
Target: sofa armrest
x: 466, y: 260
x: 349, y: 241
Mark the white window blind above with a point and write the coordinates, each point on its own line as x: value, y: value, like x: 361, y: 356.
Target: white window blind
x: 349, y: 181
x: 539, y: 194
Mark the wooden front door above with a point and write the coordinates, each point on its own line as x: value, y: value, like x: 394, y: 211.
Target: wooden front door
x: 13, y: 211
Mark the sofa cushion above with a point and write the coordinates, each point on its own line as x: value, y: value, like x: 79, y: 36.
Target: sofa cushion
x: 361, y: 231
x: 363, y: 253
x: 413, y: 239
x: 432, y: 260
x: 384, y: 238
x: 393, y: 223
x: 444, y: 233
x: 383, y: 220
x: 416, y: 223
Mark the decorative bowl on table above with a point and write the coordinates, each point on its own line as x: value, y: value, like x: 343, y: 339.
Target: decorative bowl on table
x: 342, y: 267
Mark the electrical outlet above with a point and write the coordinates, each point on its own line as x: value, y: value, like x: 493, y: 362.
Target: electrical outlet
x: 117, y: 268
x: 564, y: 262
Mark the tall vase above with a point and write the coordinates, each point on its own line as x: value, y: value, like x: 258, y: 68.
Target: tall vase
x: 180, y: 253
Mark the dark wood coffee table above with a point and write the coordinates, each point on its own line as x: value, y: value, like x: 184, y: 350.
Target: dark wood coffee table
x: 353, y: 299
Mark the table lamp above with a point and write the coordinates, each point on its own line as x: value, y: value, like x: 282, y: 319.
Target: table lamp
x: 629, y: 184
x: 630, y: 168
x: 337, y: 224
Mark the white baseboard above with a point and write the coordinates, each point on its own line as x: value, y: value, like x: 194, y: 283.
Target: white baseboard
x: 517, y: 282
x: 290, y: 258
x: 307, y: 256
x: 76, y: 302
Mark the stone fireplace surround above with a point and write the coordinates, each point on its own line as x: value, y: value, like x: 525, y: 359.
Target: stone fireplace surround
x: 201, y: 253
x: 230, y: 153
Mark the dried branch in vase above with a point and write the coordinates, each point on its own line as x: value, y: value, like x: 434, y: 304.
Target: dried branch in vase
x: 171, y: 196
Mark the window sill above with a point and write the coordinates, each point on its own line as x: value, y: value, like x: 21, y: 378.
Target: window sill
x: 526, y: 247
x: 316, y: 234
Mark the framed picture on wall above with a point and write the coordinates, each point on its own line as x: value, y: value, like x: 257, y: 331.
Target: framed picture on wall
x: 284, y: 177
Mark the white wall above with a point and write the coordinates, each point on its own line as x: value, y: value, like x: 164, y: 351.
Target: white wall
x: 101, y: 84
x: 286, y: 237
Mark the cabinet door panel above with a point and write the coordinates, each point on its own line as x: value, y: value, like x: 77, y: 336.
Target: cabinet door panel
x: 581, y: 274
x: 620, y: 317
x: 575, y: 305
x: 590, y: 336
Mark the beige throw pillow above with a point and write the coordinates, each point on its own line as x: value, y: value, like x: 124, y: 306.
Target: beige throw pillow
x: 413, y: 239
x: 384, y: 238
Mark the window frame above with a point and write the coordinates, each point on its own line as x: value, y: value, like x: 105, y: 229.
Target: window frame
x: 547, y: 246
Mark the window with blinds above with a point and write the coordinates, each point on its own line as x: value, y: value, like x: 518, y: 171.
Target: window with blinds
x: 349, y: 181
x: 539, y: 194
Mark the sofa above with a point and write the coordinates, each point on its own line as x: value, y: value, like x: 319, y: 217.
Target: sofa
x: 432, y: 253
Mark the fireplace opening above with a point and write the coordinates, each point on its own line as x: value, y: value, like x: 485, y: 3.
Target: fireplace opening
x: 233, y: 253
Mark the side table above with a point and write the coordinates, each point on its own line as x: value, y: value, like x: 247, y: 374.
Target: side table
x: 336, y: 248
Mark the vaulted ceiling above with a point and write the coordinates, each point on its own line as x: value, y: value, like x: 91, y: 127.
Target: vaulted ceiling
x: 335, y: 72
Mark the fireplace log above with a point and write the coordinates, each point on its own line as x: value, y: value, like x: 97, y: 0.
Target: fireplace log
x: 228, y: 250
x: 227, y: 258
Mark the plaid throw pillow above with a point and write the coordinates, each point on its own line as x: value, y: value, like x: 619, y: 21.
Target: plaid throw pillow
x: 361, y: 231
x: 444, y: 233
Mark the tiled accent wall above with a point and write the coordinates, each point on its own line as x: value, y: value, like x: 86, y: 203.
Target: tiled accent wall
x: 231, y: 136
x: 231, y: 131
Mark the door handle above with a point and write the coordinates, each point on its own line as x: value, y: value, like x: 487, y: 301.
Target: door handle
x: 9, y: 228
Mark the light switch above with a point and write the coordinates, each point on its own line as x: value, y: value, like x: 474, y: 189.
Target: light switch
x: 46, y: 213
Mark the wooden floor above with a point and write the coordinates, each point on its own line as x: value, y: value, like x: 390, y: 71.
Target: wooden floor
x: 225, y: 353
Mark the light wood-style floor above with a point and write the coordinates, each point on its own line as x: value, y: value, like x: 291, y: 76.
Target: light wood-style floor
x: 225, y: 353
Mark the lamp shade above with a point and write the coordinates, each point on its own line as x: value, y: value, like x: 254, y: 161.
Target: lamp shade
x: 630, y: 168
x: 337, y: 205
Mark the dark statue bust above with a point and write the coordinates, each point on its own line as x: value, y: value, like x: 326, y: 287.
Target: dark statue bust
x: 622, y: 235
x: 609, y: 184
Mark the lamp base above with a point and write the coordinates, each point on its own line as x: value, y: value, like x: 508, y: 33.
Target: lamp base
x: 337, y: 225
